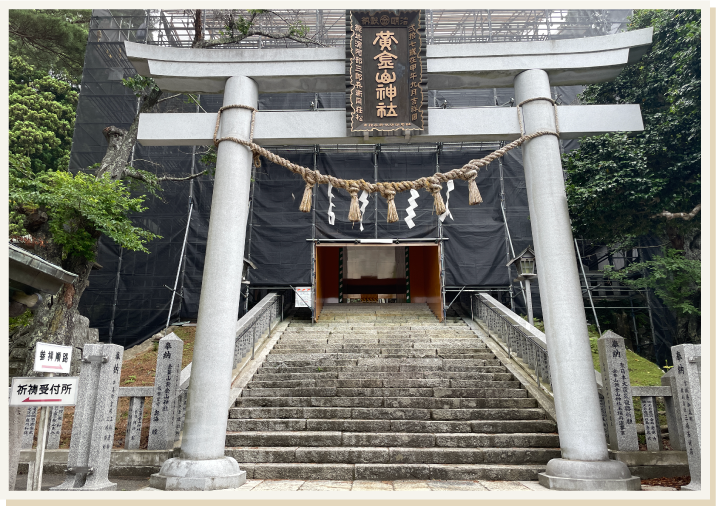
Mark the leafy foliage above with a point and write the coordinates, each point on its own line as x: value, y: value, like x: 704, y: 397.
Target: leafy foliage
x: 140, y: 85
x: 42, y: 117
x: 79, y: 208
x: 617, y: 183
x: 675, y: 280
x: 272, y: 24
x: 52, y: 40
x: 18, y: 322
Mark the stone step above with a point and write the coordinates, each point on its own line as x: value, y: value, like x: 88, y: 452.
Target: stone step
x: 267, y: 376
x: 305, y: 354
x: 383, y: 383
x: 381, y: 350
x: 474, y: 393
x: 386, y: 392
x: 391, y: 472
x: 431, y: 426
x: 383, y: 455
x: 386, y: 402
x: 390, y: 439
x: 406, y: 363
x: 275, y: 367
x: 389, y: 413
x: 362, y: 330
x: 428, y: 344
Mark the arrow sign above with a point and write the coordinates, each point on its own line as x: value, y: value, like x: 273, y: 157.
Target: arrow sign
x: 43, y: 391
x: 53, y: 357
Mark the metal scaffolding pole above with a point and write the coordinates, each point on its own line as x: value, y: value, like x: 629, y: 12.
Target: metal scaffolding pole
x: 586, y: 284
x: 181, y: 258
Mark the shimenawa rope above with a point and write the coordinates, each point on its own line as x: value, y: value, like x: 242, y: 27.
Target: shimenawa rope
x: 467, y: 172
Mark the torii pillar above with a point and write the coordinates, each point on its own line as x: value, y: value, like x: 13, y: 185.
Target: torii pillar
x: 201, y: 464
x: 531, y: 67
x: 585, y: 463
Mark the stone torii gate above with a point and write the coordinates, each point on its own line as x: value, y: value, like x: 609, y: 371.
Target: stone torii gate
x: 531, y: 67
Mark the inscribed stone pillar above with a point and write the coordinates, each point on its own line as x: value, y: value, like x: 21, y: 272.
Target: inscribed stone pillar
x: 133, y: 435
x: 166, y: 383
x: 581, y: 436
x: 202, y: 464
x: 687, y: 359
x: 94, y: 420
x: 673, y: 412
x: 617, y: 393
x: 28, y: 429
x: 17, y: 421
x: 179, y: 413
x: 652, y: 430
x: 55, y: 428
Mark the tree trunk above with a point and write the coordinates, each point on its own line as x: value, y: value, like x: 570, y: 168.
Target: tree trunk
x: 56, y: 318
x: 120, y: 142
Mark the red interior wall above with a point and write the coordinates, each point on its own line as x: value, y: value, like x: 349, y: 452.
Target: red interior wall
x: 326, y: 275
x: 425, y: 277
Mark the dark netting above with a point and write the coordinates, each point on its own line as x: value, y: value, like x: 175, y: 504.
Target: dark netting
x: 129, y: 298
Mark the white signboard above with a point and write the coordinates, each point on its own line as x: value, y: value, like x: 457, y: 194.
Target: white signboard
x: 38, y: 391
x: 304, y: 297
x: 53, y: 358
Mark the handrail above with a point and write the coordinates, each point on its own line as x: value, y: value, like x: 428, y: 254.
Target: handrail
x: 521, y: 338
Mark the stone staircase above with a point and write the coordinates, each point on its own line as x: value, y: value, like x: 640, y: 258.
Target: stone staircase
x: 386, y: 392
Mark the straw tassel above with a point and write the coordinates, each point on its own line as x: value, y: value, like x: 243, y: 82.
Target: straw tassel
x: 354, y: 212
x: 392, y: 211
x: 439, y: 204
x: 474, y: 196
x: 307, y: 198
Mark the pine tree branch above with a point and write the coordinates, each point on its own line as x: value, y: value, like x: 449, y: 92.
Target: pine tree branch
x: 187, y: 178
x: 685, y: 216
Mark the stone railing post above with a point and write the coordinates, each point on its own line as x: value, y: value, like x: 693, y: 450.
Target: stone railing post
x: 162, y: 426
x: 94, y: 420
x: 687, y: 363
x: 617, y: 393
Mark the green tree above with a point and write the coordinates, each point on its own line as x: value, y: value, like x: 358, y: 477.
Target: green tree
x: 42, y: 117
x: 61, y: 215
x: 623, y: 186
x: 675, y: 280
x: 57, y: 214
x: 242, y: 24
x: 53, y: 40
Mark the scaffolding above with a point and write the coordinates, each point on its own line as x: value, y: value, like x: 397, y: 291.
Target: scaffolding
x: 175, y: 27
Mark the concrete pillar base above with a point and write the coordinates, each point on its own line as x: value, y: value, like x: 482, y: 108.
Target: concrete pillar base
x: 184, y: 474
x: 104, y: 486
x: 562, y: 474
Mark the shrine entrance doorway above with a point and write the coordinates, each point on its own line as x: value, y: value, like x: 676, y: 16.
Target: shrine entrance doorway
x: 378, y: 272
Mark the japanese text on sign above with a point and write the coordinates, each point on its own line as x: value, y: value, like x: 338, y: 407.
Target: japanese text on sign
x: 38, y: 391
x: 385, y: 71
x: 52, y: 358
